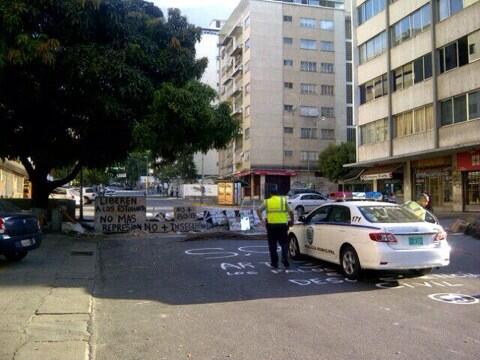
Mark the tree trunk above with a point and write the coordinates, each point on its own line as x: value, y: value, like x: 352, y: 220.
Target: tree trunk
x: 40, y: 193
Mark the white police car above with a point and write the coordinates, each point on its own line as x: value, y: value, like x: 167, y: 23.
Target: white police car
x: 361, y: 235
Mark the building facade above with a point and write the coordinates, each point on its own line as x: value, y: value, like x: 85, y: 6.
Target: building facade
x: 13, y: 180
x: 207, y: 164
x: 283, y: 67
x: 417, y: 98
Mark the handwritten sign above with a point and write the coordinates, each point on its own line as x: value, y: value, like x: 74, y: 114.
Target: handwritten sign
x: 120, y: 214
x: 173, y: 227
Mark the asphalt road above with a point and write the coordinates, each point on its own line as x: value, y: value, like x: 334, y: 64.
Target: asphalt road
x: 164, y: 298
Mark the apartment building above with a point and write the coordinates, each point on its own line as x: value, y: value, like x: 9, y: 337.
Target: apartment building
x: 417, y: 98
x: 284, y: 67
x: 207, y: 163
x: 13, y: 180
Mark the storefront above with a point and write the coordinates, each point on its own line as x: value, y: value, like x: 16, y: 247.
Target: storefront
x: 387, y: 180
x: 434, y: 177
x: 260, y: 182
x: 469, y: 165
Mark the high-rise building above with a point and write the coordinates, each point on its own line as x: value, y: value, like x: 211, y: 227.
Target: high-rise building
x: 284, y: 67
x: 207, y: 163
x: 417, y: 98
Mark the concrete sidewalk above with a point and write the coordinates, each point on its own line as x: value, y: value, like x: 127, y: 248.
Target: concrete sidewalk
x: 46, y: 301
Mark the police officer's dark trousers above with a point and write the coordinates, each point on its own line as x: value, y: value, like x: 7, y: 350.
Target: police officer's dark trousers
x: 277, y: 233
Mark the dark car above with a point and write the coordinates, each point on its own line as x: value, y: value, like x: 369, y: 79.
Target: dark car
x: 294, y: 192
x: 19, y: 232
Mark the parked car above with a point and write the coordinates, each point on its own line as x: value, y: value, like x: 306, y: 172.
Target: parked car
x: 294, y: 192
x: 304, y: 203
x: 361, y: 235
x: 19, y: 232
x: 89, y: 195
x: 66, y: 193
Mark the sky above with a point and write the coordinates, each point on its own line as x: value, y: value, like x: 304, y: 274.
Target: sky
x: 200, y: 12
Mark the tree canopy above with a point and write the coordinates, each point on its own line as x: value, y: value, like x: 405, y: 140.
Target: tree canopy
x: 332, y: 159
x: 80, y: 78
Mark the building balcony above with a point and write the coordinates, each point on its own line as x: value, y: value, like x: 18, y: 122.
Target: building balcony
x: 237, y: 109
x: 237, y: 70
x: 237, y: 50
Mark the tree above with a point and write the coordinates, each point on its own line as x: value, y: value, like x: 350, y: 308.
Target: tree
x: 90, y: 176
x: 79, y: 78
x: 182, y: 168
x: 332, y: 159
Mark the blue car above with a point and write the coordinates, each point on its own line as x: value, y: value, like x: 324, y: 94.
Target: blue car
x: 19, y: 232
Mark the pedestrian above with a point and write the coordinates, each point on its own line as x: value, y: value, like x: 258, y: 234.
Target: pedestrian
x: 419, y: 207
x: 277, y: 223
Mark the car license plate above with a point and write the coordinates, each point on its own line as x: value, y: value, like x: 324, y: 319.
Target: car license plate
x: 415, y: 240
x: 27, y: 242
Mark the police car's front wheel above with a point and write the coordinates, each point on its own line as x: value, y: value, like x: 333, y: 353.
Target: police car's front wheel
x: 293, y: 249
x: 350, y: 263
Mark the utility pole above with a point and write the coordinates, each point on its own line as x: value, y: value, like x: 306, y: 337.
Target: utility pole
x: 81, y: 193
x: 202, y: 188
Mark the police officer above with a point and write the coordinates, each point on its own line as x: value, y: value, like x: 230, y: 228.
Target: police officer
x: 277, y: 223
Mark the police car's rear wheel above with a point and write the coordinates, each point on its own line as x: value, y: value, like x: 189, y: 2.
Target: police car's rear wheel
x: 350, y: 263
x: 293, y: 249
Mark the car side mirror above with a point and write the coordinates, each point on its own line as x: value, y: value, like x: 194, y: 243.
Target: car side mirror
x: 302, y: 218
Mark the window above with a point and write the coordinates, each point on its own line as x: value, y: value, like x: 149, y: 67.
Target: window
x: 288, y: 153
x: 288, y: 130
x: 287, y: 18
x: 307, y: 44
x: 339, y: 214
x: 319, y: 216
x: 246, y: 67
x: 328, y: 134
x: 348, y: 72
x: 246, y: 23
x: 369, y: 9
x: 348, y: 51
x: 349, y: 90
x: 454, y: 55
x: 374, y: 132
x: 374, y: 89
x: 326, y: 68
x: 287, y: 40
x: 247, y: 133
x: 247, y: 110
x: 327, y: 90
x: 373, y: 47
x: 288, y: 108
x: 247, y: 44
x: 411, y: 25
x: 326, y: 45
x: 307, y: 23
x: 414, y: 121
x: 308, y: 66
x: 349, y: 116
x: 309, y: 111
x: 308, y: 133
x: 407, y: 75
x: 417, y: 71
x: 348, y: 28
x: 247, y: 89
x: 454, y: 110
x: 308, y: 89
x: 328, y: 112
x: 474, y: 46
x: 474, y: 105
x: 288, y: 85
x: 446, y: 112
x: 327, y: 25
x: 288, y: 62
x: 448, y: 8
x: 308, y: 156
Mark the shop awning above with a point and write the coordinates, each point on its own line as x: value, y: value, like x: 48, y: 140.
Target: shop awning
x: 274, y: 172
x: 380, y: 172
x: 352, y: 175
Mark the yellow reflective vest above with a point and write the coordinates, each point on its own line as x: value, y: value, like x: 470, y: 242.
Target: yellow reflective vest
x: 277, y: 210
